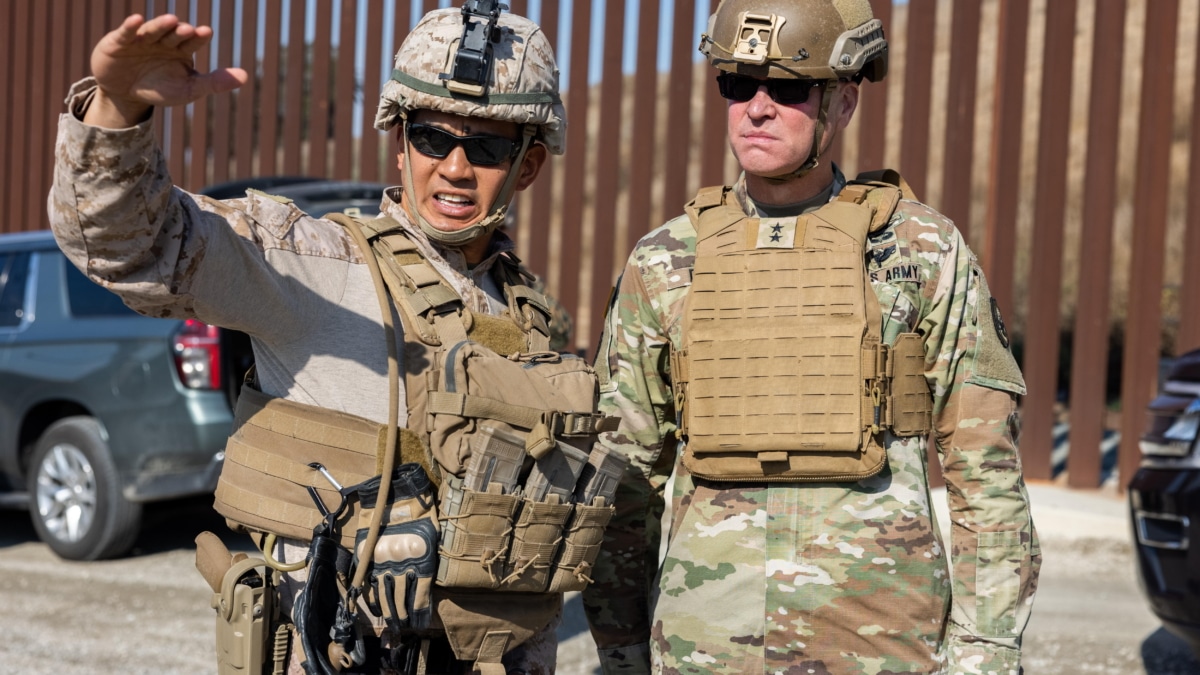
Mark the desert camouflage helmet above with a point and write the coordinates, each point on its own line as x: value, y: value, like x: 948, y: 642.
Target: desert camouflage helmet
x: 522, y: 86
x: 819, y: 39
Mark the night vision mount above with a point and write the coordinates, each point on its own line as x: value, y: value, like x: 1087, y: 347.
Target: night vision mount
x: 473, y: 60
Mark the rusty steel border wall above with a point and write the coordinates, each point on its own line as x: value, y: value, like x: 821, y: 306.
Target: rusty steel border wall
x: 1032, y: 123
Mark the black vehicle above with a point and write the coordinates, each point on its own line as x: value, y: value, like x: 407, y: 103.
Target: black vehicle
x: 314, y: 196
x: 102, y: 410
x: 1164, y: 501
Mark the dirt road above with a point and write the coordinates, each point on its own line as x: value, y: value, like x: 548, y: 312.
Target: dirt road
x: 149, y: 613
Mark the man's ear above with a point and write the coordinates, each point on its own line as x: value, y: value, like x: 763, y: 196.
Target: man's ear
x: 535, y: 158
x: 847, y: 100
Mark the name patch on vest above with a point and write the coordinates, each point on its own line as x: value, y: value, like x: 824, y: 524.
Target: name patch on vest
x: 898, y: 273
x: 776, y: 233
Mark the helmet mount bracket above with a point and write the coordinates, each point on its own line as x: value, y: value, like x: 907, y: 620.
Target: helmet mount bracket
x: 473, y: 59
x: 756, y: 37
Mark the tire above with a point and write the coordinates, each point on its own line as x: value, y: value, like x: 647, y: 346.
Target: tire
x: 75, y: 494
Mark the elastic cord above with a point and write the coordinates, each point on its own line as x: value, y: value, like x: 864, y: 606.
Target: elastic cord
x: 814, y: 155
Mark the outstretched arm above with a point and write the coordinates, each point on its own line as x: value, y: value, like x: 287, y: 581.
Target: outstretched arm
x: 143, y: 64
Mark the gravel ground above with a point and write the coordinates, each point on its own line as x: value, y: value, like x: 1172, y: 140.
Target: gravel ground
x: 149, y: 613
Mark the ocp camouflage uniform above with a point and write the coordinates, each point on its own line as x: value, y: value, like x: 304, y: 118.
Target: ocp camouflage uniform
x: 820, y: 577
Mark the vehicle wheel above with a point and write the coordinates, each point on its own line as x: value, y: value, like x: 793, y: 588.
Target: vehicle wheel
x: 75, y: 495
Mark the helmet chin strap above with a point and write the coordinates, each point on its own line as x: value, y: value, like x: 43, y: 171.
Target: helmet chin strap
x: 814, y: 154
x: 496, y: 212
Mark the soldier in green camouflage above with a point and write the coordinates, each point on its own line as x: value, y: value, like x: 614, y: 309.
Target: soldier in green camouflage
x: 824, y: 576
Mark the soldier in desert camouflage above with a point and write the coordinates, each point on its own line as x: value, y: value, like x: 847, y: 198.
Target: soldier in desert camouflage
x: 297, y: 284
x: 797, y: 552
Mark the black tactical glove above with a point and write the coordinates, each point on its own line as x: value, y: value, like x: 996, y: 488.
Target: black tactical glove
x: 404, y: 559
x: 318, y: 605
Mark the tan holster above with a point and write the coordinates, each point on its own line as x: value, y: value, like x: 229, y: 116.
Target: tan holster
x: 245, y: 600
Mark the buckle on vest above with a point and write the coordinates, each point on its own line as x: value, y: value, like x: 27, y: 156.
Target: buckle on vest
x: 541, y: 437
x: 876, y: 398
x: 877, y: 385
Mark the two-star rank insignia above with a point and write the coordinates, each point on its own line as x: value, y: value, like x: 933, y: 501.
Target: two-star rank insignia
x: 776, y: 233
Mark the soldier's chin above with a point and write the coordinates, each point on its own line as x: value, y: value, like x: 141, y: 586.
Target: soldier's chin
x: 439, y: 223
x: 776, y: 176
x: 768, y: 169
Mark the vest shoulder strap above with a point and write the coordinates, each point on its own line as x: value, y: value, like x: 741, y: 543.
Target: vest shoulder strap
x: 707, y: 197
x: 418, y: 288
x: 880, y: 191
x: 889, y: 177
x: 528, y: 307
x: 711, y: 211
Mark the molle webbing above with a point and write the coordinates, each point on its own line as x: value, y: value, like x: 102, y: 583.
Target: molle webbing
x: 774, y: 338
x: 909, y: 409
x: 525, y: 417
x: 431, y: 307
x: 783, y: 374
x: 434, y: 317
x: 264, y: 482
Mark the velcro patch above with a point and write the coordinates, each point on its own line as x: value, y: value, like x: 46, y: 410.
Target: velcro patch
x: 776, y: 233
x: 998, y: 324
x: 882, y: 254
x: 898, y: 273
x: 679, y: 278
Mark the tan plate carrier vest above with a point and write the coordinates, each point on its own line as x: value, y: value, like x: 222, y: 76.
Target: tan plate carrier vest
x: 468, y: 377
x: 783, y: 375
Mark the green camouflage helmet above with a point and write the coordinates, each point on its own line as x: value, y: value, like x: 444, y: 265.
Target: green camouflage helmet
x: 818, y: 39
x: 522, y: 86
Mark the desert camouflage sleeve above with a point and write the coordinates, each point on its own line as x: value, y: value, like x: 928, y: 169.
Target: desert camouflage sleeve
x: 975, y: 383
x: 117, y: 216
x: 633, y: 366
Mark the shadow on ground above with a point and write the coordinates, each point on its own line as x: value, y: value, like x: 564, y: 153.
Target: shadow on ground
x: 174, y: 525
x: 166, y: 526
x: 15, y: 528
x: 1164, y: 653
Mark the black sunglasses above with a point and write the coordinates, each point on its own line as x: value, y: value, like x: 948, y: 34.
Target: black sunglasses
x: 481, y: 149
x: 784, y: 92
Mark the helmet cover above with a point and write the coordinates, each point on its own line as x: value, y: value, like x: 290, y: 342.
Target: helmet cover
x: 522, y: 86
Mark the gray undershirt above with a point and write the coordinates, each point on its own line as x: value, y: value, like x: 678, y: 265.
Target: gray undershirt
x: 794, y: 209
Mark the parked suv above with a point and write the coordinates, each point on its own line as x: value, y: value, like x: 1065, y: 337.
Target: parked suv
x: 1164, y: 500
x: 314, y: 196
x: 102, y: 410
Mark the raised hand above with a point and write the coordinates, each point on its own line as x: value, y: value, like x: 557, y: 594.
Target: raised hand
x: 144, y: 63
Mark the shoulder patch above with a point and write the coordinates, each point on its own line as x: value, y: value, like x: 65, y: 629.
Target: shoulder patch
x: 994, y: 365
x: 881, y: 238
x: 998, y: 323
x: 881, y: 255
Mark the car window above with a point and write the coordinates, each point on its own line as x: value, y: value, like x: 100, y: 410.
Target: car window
x: 14, y: 271
x: 87, y: 298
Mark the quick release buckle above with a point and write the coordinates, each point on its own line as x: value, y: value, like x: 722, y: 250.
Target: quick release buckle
x: 880, y: 379
x: 473, y: 60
